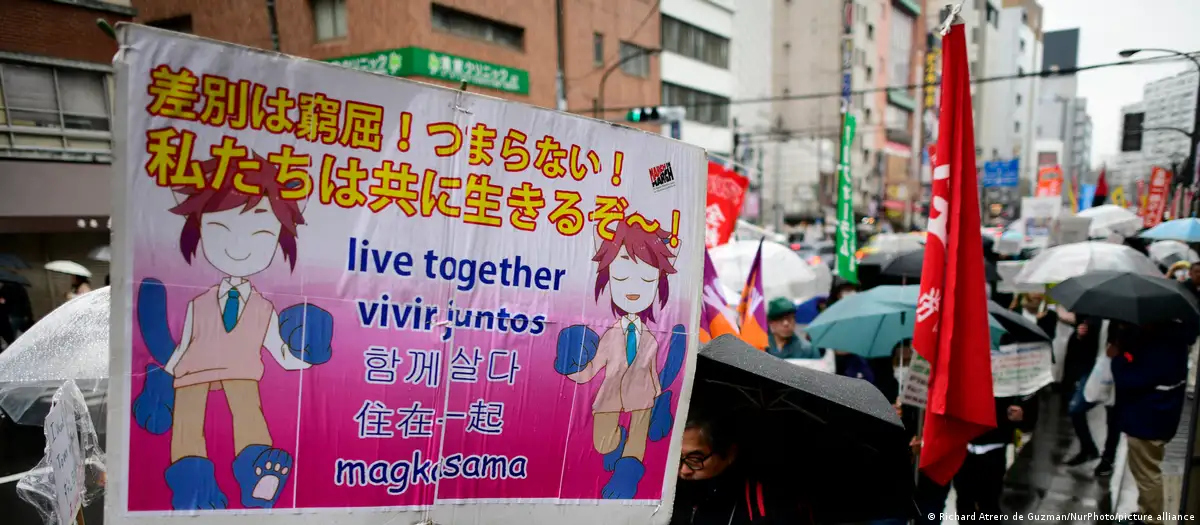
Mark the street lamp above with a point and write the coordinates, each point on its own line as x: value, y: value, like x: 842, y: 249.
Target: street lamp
x: 1195, y: 133
x: 604, y: 78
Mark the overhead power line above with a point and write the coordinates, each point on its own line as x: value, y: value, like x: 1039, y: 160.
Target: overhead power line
x: 832, y: 94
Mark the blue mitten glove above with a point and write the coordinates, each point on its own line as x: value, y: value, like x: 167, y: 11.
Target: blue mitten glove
x: 153, y: 408
x: 193, y: 484
x: 308, y: 332
x: 660, y: 417
x: 576, y: 348
x: 676, y: 351
x: 152, y: 320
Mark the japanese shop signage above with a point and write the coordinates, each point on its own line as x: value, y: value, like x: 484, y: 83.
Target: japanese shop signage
x: 415, y: 61
x: 351, y: 291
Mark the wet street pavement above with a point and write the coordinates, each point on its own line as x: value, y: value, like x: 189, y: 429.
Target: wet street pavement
x: 1038, y: 482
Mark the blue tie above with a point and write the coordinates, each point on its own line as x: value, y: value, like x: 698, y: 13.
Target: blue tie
x: 230, y: 314
x: 630, y: 344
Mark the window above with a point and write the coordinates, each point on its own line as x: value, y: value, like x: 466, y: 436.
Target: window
x: 1022, y: 44
x: 1016, y: 127
x: 179, y: 24
x: 693, y: 42
x: 705, y: 108
x: 866, y: 115
x: 54, y: 107
x: 597, y: 49
x: 639, y: 64
x: 329, y: 19
x: 870, y: 31
x: 993, y: 16
x: 900, y: 47
x: 870, y: 71
x: 464, y: 24
x: 1020, y: 71
x: 1018, y: 99
x: 974, y: 35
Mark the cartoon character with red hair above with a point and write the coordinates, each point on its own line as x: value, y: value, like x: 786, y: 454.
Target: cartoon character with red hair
x: 632, y: 267
x: 225, y: 330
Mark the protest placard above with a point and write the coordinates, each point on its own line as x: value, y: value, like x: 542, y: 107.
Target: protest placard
x: 64, y: 454
x: 1021, y: 369
x: 350, y: 291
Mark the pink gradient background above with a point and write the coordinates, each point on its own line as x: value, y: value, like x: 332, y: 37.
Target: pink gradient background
x: 310, y: 413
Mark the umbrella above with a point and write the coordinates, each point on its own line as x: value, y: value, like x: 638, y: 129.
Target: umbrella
x: 1065, y: 261
x: 909, y: 266
x: 8, y: 260
x: 803, y: 420
x: 785, y: 273
x: 1108, y: 219
x: 12, y: 277
x: 1186, y: 230
x: 1171, y: 252
x: 872, y: 323
x: 69, y: 343
x: 1019, y: 329
x: 101, y: 253
x: 1129, y: 297
x: 69, y: 268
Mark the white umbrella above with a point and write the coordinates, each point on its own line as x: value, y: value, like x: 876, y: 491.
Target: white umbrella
x: 784, y: 272
x: 1170, y: 252
x: 1065, y: 261
x: 1108, y: 219
x: 69, y: 343
x: 101, y: 253
x: 69, y: 268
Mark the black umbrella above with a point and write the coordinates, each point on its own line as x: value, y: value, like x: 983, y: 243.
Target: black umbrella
x: 1020, y: 329
x: 8, y: 260
x: 836, y: 438
x: 7, y: 276
x: 908, y: 265
x: 1130, y: 297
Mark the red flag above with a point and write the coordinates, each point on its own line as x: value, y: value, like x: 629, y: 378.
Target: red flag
x: 952, y: 325
x: 1101, y: 188
x: 726, y: 190
x: 752, y: 309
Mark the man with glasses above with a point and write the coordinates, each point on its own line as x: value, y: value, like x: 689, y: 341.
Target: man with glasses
x: 714, y: 488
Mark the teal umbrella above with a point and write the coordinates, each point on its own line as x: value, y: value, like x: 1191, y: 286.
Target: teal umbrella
x: 872, y: 323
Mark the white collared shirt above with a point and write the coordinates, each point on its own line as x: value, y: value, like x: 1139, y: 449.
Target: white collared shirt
x: 637, y: 324
x: 244, y: 289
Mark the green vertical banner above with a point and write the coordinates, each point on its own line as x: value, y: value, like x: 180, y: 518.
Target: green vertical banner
x: 847, y: 264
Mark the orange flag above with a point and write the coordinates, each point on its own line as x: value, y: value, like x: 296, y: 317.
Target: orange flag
x: 716, y: 317
x: 752, y: 310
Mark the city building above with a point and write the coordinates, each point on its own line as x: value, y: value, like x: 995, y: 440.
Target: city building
x: 696, y: 71
x: 785, y: 168
x: 1166, y: 103
x: 56, y: 98
x: 588, y: 57
x: 893, y: 40
x: 1061, y: 114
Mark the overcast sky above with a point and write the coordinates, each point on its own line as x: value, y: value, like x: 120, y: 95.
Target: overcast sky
x: 1108, y: 26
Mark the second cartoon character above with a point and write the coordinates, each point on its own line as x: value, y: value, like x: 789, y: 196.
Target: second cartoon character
x: 225, y: 329
x: 632, y: 267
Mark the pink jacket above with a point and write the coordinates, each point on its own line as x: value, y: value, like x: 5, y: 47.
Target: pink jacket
x: 626, y: 387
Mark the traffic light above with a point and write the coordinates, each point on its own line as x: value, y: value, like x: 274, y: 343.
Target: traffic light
x: 647, y: 114
x: 656, y: 114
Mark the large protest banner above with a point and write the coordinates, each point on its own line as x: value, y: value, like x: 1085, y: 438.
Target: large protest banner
x: 335, y: 290
x: 1018, y: 369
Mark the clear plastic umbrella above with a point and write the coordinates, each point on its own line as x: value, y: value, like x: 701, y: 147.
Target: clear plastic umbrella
x: 70, y: 343
x: 1170, y: 252
x: 1063, y: 262
x: 785, y: 274
x: 1108, y: 219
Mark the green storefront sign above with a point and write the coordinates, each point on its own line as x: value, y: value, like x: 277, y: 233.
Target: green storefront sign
x: 418, y: 62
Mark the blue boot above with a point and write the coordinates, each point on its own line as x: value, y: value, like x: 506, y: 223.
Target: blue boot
x: 261, y: 473
x: 193, y: 484
x: 625, y: 478
x: 610, y: 459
